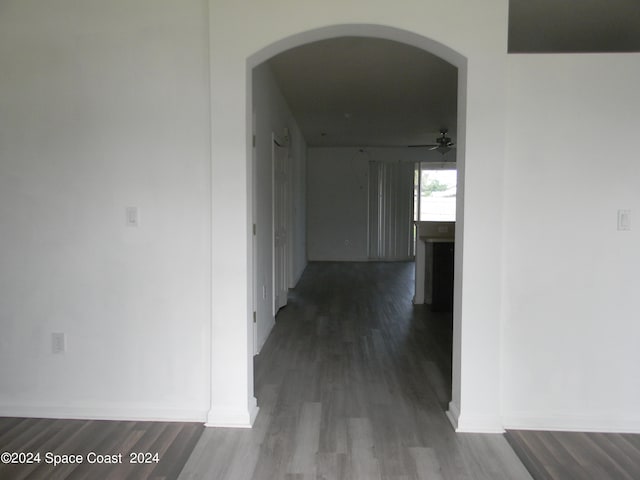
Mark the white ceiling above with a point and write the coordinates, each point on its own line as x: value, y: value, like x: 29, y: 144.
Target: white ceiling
x: 355, y: 91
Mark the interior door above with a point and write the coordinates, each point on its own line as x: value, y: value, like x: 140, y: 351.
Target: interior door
x: 280, y: 225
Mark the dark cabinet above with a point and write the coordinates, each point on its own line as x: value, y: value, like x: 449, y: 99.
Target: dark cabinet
x: 443, y: 255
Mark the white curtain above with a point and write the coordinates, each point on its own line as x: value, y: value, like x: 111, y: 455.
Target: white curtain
x: 391, y: 190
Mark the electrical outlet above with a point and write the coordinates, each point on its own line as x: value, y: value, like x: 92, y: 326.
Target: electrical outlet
x: 58, y: 343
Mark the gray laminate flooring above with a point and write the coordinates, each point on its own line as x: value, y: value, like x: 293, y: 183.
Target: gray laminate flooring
x: 159, y: 449
x: 353, y: 383
x: 578, y: 455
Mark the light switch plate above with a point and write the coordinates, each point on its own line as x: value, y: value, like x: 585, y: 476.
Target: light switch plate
x: 58, y: 342
x: 132, y: 216
x: 624, y: 219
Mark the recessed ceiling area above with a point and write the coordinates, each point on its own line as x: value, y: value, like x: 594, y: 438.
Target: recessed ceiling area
x: 555, y: 26
x: 358, y: 91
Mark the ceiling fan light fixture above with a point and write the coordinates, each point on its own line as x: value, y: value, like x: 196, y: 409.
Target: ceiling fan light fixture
x: 444, y: 142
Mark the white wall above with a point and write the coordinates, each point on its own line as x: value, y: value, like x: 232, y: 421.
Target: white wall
x: 104, y: 105
x: 571, y: 332
x: 337, y: 182
x: 272, y: 115
x: 338, y: 195
x: 473, y: 37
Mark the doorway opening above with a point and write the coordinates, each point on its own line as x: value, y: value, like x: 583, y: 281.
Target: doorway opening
x: 410, y: 40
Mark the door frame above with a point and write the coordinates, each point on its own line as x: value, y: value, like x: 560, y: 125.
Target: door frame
x: 279, y: 142
x: 478, y: 315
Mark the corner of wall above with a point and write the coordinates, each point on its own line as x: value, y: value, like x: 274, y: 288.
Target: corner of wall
x: 232, y: 417
x: 480, y: 424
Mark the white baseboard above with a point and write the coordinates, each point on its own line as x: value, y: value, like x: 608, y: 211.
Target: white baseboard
x: 453, y: 414
x: 231, y: 417
x: 614, y: 423
x: 473, y: 423
x: 104, y: 412
x: 479, y: 424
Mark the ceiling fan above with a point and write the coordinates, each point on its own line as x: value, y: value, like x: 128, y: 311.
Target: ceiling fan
x: 443, y: 143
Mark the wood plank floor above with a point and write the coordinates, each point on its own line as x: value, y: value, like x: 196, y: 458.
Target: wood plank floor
x: 352, y: 384
x: 173, y: 442
x: 580, y: 456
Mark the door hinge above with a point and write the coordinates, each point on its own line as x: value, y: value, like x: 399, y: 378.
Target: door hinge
x: 254, y: 140
x: 254, y: 317
x: 254, y: 228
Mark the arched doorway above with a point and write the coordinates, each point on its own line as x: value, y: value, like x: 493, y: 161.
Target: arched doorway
x: 237, y: 44
x: 407, y: 38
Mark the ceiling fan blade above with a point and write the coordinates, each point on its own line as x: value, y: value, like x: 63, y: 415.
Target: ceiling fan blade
x: 436, y: 147
x: 430, y: 146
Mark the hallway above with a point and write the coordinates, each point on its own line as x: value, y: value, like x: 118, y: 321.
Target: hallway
x: 353, y: 383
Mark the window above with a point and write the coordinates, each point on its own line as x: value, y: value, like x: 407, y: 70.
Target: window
x: 435, y: 192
